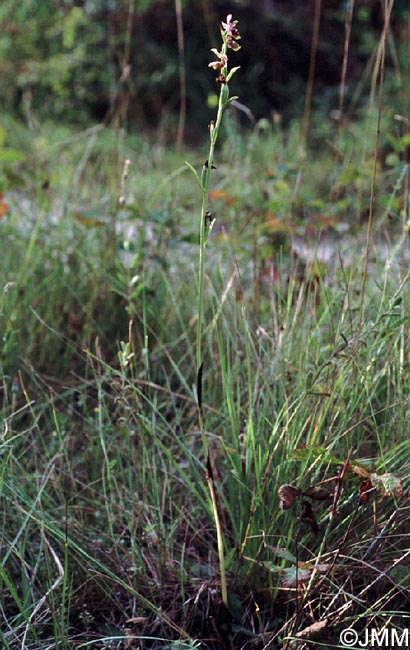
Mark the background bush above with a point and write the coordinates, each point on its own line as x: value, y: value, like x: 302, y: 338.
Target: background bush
x: 66, y: 58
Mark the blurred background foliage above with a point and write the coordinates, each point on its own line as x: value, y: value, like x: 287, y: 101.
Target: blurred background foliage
x: 85, y: 60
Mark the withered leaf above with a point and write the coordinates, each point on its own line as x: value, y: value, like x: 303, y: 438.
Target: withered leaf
x: 307, y: 515
x: 359, y: 470
x: 287, y: 495
x: 387, y: 484
x: 365, y: 486
x: 294, y: 576
x: 313, y: 632
x: 137, y: 620
x: 318, y: 494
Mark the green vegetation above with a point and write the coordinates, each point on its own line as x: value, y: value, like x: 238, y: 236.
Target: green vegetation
x: 293, y: 328
x: 107, y: 518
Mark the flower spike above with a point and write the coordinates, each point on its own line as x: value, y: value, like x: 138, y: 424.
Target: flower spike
x: 230, y: 33
x: 230, y: 37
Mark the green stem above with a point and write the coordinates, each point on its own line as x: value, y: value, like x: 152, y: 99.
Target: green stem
x: 205, y: 181
x: 206, y: 176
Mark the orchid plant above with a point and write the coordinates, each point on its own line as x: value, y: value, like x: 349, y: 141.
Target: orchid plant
x: 230, y: 37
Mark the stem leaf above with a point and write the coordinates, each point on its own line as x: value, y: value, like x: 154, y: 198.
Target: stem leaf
x: 195, y: 173
x: 231, y: 73
x: 231, y: 99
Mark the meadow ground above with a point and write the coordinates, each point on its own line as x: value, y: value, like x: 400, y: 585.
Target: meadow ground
x: 110, y: 500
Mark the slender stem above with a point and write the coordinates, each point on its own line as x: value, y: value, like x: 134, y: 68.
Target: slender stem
x: 311, y: 77
x: 202, y: 229
x: 219, y: 539
x: 205, y: 182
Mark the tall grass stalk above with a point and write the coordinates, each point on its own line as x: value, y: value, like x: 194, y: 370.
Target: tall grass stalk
x: 379, y: 71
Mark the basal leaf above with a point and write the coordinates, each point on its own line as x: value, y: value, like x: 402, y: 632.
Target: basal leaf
x: 294, y: 576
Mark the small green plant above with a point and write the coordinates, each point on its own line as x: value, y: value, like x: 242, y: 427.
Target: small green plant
x: 230, y: 36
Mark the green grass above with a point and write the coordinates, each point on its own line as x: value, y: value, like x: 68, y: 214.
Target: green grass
x: 107, y: 529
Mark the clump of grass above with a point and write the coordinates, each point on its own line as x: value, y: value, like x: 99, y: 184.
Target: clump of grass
x: 105, y: 474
